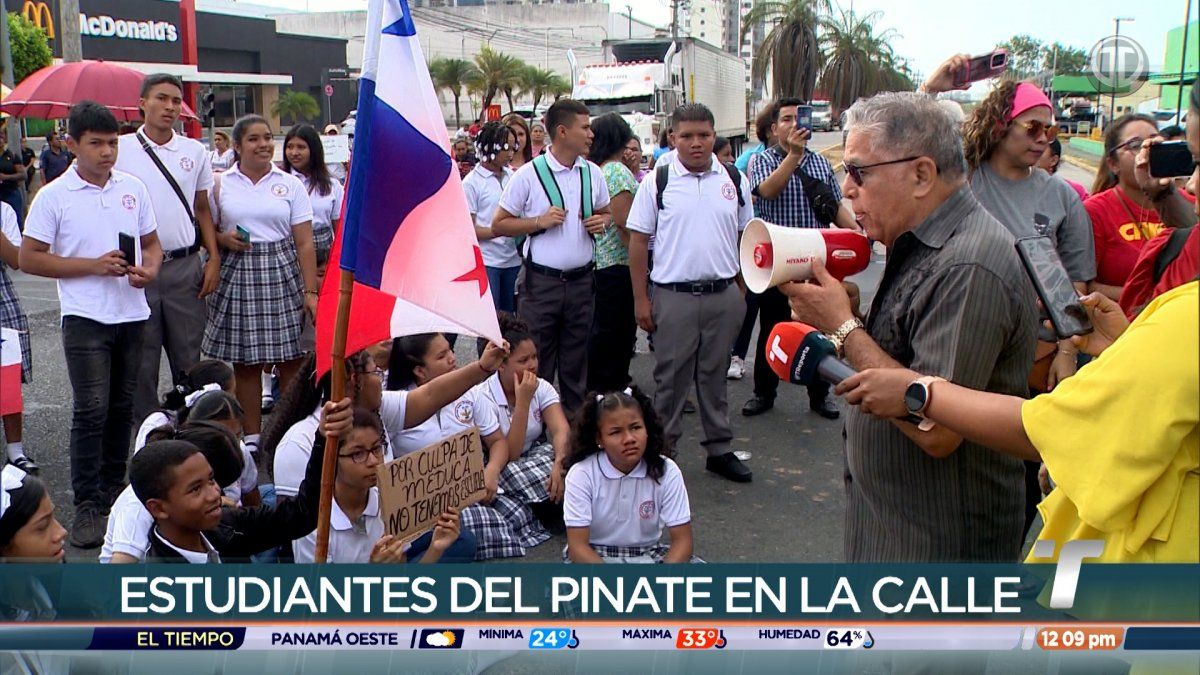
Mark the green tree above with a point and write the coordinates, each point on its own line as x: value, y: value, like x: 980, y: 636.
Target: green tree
x: 539, y: 83
x: 858, y: 61
x: 296, y: 106
x: 499, y: 72
x: 791, y: 47
x: 454, y: 75
x: 1064, y: 60
x: 1025, y: 56
x: 560, y: 87
x: 30, y: 51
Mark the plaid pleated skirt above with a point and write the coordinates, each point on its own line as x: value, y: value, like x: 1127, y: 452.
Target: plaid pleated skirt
x: 526, y: 477
x: 12, y: 316
x: 323, y: 243
x: 503, y: 529
x: 635, y: 554
x: 257, y: 314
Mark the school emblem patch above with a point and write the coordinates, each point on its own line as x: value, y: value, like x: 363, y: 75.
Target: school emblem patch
x: 728, y: 191
x: 186, y: 163
x: 537, y: 415
x: 129, y: 202
x: 464, y: 412
x: 279, y: 190
x: 646, y: 509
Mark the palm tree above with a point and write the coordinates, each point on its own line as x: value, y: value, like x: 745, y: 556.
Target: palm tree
x: 859, y: 61
x: 790, y: 47
x: 453, y: 75
x: 499, y: 73
x: 538, y: 83
x: 560, y: 87
x: 296, y: 106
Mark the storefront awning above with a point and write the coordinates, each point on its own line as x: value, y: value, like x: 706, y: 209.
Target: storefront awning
x: 189, y: 73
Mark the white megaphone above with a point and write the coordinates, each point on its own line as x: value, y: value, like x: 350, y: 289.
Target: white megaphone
x: 771, y: 254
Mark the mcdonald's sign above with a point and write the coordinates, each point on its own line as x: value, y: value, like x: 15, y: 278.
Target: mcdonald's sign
x: 39, y: 14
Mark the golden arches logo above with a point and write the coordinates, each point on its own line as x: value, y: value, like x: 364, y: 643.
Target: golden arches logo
x: 38, y: 13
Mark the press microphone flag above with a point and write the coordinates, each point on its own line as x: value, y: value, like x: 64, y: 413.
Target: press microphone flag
x: 771, y: 254
x: 801, y: 354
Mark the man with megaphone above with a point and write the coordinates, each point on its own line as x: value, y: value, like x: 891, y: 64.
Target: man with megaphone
x: 954, y: 303
x: 794, y: 188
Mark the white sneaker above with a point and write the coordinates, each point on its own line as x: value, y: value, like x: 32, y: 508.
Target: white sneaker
x: 737, y: 368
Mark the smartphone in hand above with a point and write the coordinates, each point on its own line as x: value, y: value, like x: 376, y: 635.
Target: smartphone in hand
x: 127, y: 245
x: 1171, y: 159
x: 983, y: 67
x: 243, y: 234
x: 1059, y: 299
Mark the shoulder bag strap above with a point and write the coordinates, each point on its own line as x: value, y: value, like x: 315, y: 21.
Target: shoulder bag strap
x: 170, y: 181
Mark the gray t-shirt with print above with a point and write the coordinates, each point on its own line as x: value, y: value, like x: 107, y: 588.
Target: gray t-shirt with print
x: 1015, y: 203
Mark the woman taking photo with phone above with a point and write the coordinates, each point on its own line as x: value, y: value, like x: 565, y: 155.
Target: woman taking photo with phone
x: 268, y: 272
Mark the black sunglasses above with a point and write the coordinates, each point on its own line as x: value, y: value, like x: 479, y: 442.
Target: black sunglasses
x: 855, y: 172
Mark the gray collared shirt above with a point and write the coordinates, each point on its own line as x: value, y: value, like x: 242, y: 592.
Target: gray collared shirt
x: 953, y: 302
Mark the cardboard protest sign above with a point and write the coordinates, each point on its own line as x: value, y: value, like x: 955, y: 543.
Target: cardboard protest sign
x: 415, y: 488
x: 337, y: 149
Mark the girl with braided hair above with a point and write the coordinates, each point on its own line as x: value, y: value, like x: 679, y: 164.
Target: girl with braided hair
x: 495, y: 146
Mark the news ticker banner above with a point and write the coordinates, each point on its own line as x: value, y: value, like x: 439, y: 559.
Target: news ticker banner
x: 94, y: 593
x: 563, y: 637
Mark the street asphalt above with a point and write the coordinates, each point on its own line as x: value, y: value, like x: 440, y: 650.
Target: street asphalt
x: 791, y: 512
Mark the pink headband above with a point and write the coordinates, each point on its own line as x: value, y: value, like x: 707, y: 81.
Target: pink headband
x: 1028, y: 96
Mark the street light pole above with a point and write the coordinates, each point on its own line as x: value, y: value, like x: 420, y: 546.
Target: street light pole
x: 1116, y: 55
x: 68, y: 31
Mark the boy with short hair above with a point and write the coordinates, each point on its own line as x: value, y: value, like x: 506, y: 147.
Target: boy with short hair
x: 175, y: 483
x: 74, y: 233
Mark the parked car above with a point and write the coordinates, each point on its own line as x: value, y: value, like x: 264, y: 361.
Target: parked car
x: 822, y: 116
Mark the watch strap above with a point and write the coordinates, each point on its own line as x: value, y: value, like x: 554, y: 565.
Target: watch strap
x: 838, y: 337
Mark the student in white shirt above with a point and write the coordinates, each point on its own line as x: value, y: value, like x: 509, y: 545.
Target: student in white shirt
x: 356, y: 528
x: 304, y: 158
x: 557, y: 297
x: 176, y: 297
x: 222, y: 155
x: 206, y: 375
x: 622, y: 487
x: 127, y: 537
x: 74, y: 233
x: 13, y: 316
x: 257, y: 315
x: 528, y: 407
x: 697, y: 305
x: 494, y: 146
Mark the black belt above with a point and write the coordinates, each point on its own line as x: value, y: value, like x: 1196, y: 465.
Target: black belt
x: 698, y: 287
x: 561, y: 275
x: 178, y: 253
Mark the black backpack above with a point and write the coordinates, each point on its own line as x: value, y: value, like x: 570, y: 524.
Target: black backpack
x: 663, y: 174
x: 1170, y: 251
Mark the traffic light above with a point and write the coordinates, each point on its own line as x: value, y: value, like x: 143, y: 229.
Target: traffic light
x: 208, y: 108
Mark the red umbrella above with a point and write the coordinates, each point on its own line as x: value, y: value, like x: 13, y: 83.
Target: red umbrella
x: 50, y: 92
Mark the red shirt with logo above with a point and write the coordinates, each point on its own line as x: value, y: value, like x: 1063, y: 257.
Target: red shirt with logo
x: 1120, y: 228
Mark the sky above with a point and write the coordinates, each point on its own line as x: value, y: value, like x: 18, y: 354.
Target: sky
x: 930, y: 30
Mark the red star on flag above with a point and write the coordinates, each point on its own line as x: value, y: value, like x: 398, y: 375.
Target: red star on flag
x: 478, y: 274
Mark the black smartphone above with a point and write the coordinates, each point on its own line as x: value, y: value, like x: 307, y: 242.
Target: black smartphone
x: 804, y: 117
x: 1053, y: 286
x: 127, y: 245
x: 982, y: 67
x: 1171, y: 159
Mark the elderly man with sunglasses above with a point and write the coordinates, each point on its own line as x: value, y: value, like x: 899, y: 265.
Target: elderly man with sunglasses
x: 953, y: 299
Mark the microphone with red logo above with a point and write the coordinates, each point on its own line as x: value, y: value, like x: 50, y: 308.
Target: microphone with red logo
x: 801, y: 354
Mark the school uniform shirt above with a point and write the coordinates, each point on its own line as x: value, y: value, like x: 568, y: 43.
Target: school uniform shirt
x: 624, y: 509
x: 349, y: 541
x: 80, y: 220
x: 491, y: 392
x: 293, y: 451
x: 696, y: 233
x: 325, y: 208
x: 567, y: 246
x: 268, y: 209
x: 209, y: 556
x: 221, y: 161
x: 245, y: 483
x: 189, y: 164
x: 8, y: 225
x: 462, y: 414
x: 153, y: 421
x: 128, y: 528
x: 483, y: 189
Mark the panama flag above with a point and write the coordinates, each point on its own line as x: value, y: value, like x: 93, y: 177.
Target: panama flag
x: 406, y: 232
x: 10, y: 372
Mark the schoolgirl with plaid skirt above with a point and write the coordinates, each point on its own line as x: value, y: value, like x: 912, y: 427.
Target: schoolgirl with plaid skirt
x: 256, y: 316
x: 13, y: 318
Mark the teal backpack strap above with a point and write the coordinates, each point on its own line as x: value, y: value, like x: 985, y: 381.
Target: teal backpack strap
x: 549, y: 185
x: 585, y: 192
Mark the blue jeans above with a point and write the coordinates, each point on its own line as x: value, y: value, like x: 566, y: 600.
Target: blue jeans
x: 462, y: 551
x: 503, y: 281
x: 103, y: 361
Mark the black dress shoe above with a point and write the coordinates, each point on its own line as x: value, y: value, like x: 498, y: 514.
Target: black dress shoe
x: 757, y: 406
x: 730, y: 467
x: 825, y: 408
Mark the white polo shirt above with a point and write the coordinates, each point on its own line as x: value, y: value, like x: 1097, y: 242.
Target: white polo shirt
x: 191, y: 166
x: 567, y: 246
x: 8, y: 225
x: 696, y: 234
x: 462, y: 414
x: 80, y: 220
x: 483, y: 189
x: 624, y: 509
x: 492, y: 392
x: 349, y: 541
x: 293, y: 451
x: 326, y: 208
x: 128, y: 529
x: 268, y: 209
x: 221, y: 160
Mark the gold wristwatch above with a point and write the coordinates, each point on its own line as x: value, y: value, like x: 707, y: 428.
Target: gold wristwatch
x: 838, y: 337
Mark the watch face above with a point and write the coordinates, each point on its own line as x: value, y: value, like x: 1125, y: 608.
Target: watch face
x: 914, y: 397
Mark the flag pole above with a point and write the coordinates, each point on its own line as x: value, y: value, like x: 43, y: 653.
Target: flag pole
x: 337, y: 391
